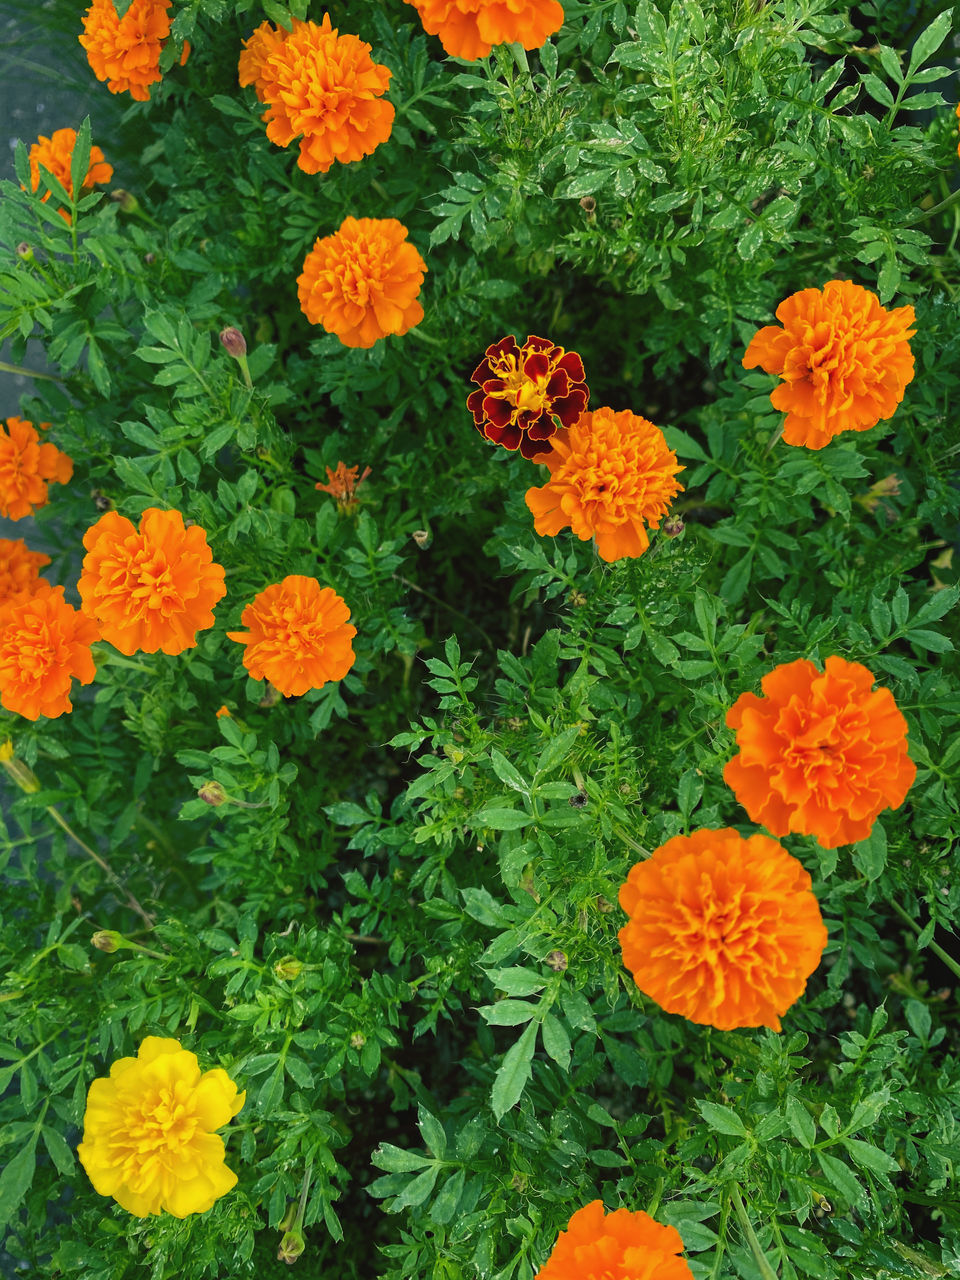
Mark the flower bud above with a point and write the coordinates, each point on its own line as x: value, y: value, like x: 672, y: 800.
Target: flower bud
x: 24, y: 252
x: 127, y: 202
x: 557, y: 960
x: 108, y: 940
x: 287, y: 968
x: 6, y: 750
x: 233, y: 342
x: 588, y: 205
x: 422, y: 537
x: 212, y: 793
x: 291, y: 1247
x: 672, y: 527
x: 357, y: 1040
x: 578, y: 800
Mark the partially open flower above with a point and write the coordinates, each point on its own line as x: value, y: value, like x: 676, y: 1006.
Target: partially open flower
x: 626, y: 1244
x: 611, y: 476
x: 820, y: 753
x: 470, y: 28
x: 44, y: 645
x: 362, y: 282
x: 722, y: 930
x: 526, y: 393
x: 56, y: 155
x: 298, y: 636
x: 26, y: 467
x: 844, y: 360
x: 149, y: 1137
x: 342, y: 485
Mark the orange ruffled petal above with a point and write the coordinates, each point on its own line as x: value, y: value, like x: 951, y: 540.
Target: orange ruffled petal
x: 19, y: 568
x: 844, y: 360
x: 623, y: 1245
x: 26, y: 467
x: 126, y: 51
x: 298, y: 636
x: 470, y: 28
x: 611, y: 476
x: 820, y: 754
x: 362, y: 282
x: 149, y: 588
x: 722, y: 930
x: 56, y: 155
x: 44, y: 645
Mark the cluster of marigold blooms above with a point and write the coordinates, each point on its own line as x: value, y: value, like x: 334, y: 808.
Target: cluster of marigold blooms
x: 723, y: 930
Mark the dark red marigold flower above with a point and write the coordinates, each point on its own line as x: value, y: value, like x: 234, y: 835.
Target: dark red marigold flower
x: 526, y: 393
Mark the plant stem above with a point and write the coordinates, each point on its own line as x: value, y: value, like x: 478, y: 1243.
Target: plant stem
x: 104, y: 866
x: 28, y: 373
x: 764, y: 1266
x: 922, y: 216
x: 935, y: 947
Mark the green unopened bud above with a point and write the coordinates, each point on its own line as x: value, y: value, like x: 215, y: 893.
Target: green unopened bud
x: 213, y: 793
x: 557, y: 960
x: 108, y: 940
x: 287, y: 968
x: 127, y: 202
x: 233, y: 342
x: 672, y: 527
x: 358, y: 1040
x: 24, y: 252
x: 291, y: 1247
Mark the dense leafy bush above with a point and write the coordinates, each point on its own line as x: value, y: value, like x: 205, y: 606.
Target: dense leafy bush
x: 395, y: 923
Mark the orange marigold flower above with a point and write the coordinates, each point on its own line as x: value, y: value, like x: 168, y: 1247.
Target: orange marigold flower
x: 20, y: 568
x: 26, y: 467
x: 343, y: 484
x: 149, y: 588
x: 722, y: 930
x: 56, y: 154
x: 126, y: 51
x: 470, y: 28
x: 524, y: 391
x: 321, y: 87
x: 626, y: 1244
x: 224, y: 711
x: 610, y: 475
x: 299, y: 637
x: 362, y: 282
x: 844, y: 360
x: 820, y: 754
x: 44, y: 644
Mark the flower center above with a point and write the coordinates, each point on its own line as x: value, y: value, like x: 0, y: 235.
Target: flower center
x: 153, y: 586
x: 528, y: 395
x: 163, y: 1123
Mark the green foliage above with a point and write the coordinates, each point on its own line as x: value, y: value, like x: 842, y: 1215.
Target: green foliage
x: 397, y: 931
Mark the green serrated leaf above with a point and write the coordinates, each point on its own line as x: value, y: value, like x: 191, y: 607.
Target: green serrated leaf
x: 514, y: 1072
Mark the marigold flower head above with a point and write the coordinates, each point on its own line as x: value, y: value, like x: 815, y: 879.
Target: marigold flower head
x: 844, y: 360
x: 321, y: 87
x: 26, y: 466
x: 126, y: 51
x: 149, y: 588
x: 626, y: 1244
x: 362, y: 282
x: 56, y: 154
x: 525, y: 391
x: 470, y: 28
x: 44, y: 644
x: 298, y: 636
x: 19, y: 568
x: 820, y: 753
x: 343, y: 484
x: 149, y: 1137
x: 722, y: 930
x: 611, y: 474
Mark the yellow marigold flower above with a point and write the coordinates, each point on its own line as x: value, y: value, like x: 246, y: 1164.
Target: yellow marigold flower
x: 19, y: 568
x: 126, y: 51
x: 611, y: 474
x: 149, y: 1136
x: 26, y: 466
x: 362, y: 282
x: 321, y: 87
x: 722, y: 930
x: 56, y: 154
x: 844, y: 360
x: 469, y: 28
x: 299, y: 636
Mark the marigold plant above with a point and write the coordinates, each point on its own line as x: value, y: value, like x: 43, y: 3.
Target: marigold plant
x: 342, y: 485
x: 298, y: 636
x: 19, y: 568
x: 149, y: 1137
x: 526, y: 393
x: 722, y: 930
x: 626, y: 1244
x: 321, y: 87
x: 470, y: 28
x: 44, y: 645
x: 611, y: 476
x: 821, y: 753
x: 362, y: 282
x: 844, y: 360
x: 55, y: 154
x: 149, y: 588
x: 26, y: 467
x: 126, y: 51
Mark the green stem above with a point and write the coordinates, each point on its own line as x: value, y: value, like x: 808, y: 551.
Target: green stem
x: 28, y: 373
x: 764, y: 1266
x: 245, y: 370
x: 937, y: 950
x: 922, y: 216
